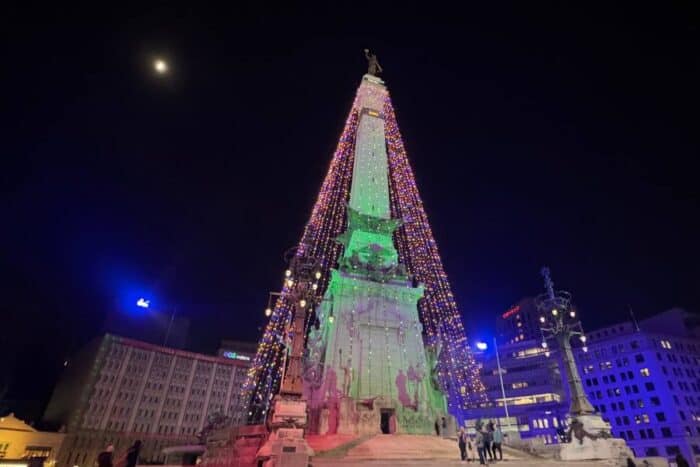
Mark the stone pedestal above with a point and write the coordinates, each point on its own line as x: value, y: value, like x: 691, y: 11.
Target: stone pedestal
x: 590, y: 447
x: 347, y: 422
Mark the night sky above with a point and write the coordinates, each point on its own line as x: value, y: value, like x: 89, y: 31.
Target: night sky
x: 554, y: 135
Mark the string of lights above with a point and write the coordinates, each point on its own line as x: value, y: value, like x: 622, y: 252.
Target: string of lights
x: 418, y: 251
x: 442, y: 324
x: 327, y: 222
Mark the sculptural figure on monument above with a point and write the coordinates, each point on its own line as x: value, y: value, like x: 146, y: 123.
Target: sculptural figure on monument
x: 373, y: 67
x: 347, y: 378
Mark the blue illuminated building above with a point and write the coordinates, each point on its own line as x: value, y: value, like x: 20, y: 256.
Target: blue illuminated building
x: 534, y: 393
x: 643, y: 378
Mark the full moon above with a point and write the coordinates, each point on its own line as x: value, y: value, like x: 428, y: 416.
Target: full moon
x: 160, y: 66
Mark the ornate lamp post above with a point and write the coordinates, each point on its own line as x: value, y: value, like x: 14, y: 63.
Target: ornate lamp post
x: 558, y: 321
x: 288, y: 417
x: 590, y: 434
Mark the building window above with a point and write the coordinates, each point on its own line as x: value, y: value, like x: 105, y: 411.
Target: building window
x: 650, y: 433
x: 666, y: 432
x: 649, y: 386
x: 682, y: 414
x: 666, y: 344
x: 639, y: 358
x: 660, y: 416
x: 644, y: 371
x: 651, y: 452
x: 672, y: 450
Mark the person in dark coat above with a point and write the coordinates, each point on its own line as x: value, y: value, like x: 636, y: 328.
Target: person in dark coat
x: 132, y: 455
x: 680, y: 461
x: 488, y: 439
x: 462, y: 442
x: 437, y: 428
x: 104, y: 459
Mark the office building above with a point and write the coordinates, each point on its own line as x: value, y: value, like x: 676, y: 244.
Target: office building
x: 534, y: 393
x: 645, y: 380
x: 519, y: 323
x: 118, y: 390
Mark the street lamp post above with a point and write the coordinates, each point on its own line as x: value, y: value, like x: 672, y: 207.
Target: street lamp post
x: 590, y: 436
x: 558, y: 321
x: 483, y: 346
x: 288, y: 417
x: 145, y: 303
x: 500, y: 378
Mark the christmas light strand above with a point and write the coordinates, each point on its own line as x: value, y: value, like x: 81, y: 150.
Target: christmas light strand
x: 418, y: 251
x: 327, y: 221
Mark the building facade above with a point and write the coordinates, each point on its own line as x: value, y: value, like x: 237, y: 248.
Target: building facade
x: 22, y: 444
x: 119, y: 390
x: 645, y: 380
x: 534, y: 393
x: 519, y: 323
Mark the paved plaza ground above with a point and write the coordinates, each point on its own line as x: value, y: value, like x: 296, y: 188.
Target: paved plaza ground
x: 418, y: 450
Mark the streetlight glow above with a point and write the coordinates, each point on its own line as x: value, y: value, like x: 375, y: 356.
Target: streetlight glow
x: 482, y: 345
x: 143, y: 303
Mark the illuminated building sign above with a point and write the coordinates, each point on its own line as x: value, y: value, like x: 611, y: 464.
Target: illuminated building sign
x: 511, y: 312
x: 235, y: 356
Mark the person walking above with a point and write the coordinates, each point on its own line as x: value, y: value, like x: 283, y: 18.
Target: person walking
x: 105, y: 458
x: 471, y: 449
x: 462, y: 443
x: 132, y: 455
x: 479, y: 441
x: 497, y: 441
x: 488, y: 439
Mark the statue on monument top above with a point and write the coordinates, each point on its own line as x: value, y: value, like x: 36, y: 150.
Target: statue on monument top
x: 373, y: 66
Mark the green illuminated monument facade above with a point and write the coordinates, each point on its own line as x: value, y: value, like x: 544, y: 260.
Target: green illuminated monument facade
x: 368, y: 369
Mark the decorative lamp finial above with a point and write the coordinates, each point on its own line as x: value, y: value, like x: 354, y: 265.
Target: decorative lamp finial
x: 548, y: 284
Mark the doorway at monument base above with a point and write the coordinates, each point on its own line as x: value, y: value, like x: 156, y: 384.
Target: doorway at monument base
x: 380, y: 415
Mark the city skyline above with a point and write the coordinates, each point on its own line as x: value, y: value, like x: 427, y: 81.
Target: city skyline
x: 188, y: 188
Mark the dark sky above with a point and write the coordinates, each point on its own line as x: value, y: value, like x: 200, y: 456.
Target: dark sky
x: 550, y: 135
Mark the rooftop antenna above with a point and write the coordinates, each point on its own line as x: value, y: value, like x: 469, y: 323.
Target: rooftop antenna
x: 634, y: 319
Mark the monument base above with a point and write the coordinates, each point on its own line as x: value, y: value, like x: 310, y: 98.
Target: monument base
x: 590, y: 443
x: 380, y: 415
x: 286, y: 447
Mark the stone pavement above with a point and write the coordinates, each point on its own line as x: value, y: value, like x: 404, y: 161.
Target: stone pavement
x: 424, y: 451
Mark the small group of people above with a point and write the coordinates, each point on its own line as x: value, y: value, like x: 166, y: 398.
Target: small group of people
x: 485, y: 443
x: 128, y: 459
